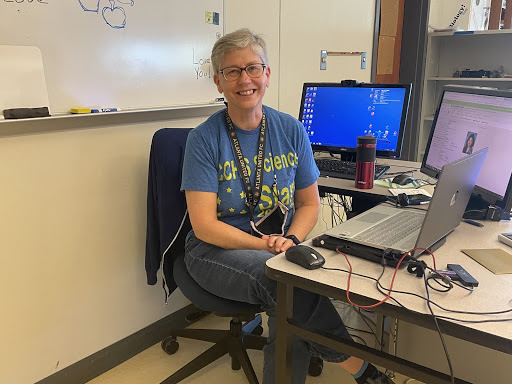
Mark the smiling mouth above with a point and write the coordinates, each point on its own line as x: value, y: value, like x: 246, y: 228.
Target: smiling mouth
x: 246, y: 93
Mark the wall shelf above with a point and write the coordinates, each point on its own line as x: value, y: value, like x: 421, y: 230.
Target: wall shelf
x: 472, y: 79
x: 448, y: 52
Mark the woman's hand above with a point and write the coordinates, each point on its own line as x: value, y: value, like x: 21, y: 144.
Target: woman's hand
x: 278, y: 244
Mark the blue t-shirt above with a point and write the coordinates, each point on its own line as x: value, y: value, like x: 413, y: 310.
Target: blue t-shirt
x: 211, y: 166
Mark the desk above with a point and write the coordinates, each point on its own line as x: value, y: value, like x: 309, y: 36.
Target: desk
x: 378, y: 193
x: 497, y: 336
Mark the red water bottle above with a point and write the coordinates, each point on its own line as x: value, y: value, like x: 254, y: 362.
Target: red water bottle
x: 365, y: 161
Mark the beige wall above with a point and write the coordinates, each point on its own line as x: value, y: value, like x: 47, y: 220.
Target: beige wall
x: 309, y: 27
x: 72, y: 277
x: 73, y: 209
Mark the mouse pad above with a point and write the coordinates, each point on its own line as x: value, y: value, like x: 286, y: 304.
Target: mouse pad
x: 388, y: 183
x: 495, y: 260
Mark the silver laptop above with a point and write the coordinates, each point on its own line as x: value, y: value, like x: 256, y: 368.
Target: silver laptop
x: 402, y: 229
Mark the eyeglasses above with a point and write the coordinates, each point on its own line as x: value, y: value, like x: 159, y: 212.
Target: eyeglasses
x: 234, y: 73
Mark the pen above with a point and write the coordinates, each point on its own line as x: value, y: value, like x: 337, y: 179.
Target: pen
x: 472, y: 222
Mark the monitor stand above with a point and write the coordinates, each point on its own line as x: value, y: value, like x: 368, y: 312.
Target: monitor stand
x: 476, y: 208
x: 348, y: 156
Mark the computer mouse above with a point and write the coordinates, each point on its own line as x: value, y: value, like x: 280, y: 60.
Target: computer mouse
x: 305, y: 256
x: 402, y: 179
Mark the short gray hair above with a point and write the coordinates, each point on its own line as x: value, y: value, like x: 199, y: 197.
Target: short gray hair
x: 239, y: 39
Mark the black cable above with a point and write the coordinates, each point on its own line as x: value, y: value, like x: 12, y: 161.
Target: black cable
x: 471, y: 289
x: 358, y: 337
x: 475, y: 210
x: 413, y: 169
x: 474, y: 321
x: 406, y: 207
x: 441, y: 280
x: 381, y: 288
x: 372, y: 331
x: 336, y: 218
x: 398, y: 173
x: 452, y: 377
x: 449, y: 361
x: 476, y: 214
x: 359, y: 330
x: 429, y: 183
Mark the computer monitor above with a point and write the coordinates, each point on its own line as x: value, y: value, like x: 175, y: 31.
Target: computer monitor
x: 335, y: 114
x: 468, y: 119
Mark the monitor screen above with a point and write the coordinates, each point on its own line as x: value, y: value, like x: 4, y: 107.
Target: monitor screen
x: 469, y: 119
x: 335, y: 114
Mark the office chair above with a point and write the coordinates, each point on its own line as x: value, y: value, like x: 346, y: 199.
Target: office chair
x: 234, y: 341
x: 167, y: 227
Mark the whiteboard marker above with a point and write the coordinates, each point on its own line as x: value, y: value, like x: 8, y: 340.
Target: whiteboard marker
x: 80, y: 110
x: 99, y: 110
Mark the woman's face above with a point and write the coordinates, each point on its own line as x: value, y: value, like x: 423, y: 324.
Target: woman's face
x: 246, y: 93
x: 470, y: 141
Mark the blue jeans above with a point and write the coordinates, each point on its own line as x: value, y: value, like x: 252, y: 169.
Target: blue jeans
x: 240, y: 275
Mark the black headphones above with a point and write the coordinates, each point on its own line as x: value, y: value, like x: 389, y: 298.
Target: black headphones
x: 402, y: 200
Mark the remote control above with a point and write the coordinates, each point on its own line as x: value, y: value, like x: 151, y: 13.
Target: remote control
x: 506, y: 238
x: 465, y: 278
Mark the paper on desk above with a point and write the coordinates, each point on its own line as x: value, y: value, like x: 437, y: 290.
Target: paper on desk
x: 495, y: 259
x: 409, y: 192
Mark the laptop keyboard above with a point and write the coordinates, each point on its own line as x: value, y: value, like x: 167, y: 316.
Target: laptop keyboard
x: 392, y: 230
x: 345, y: 169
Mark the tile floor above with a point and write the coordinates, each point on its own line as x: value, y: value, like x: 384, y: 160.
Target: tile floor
x: 154, y: 365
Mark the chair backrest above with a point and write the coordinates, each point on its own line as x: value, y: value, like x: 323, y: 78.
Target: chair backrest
x: 167, y: 223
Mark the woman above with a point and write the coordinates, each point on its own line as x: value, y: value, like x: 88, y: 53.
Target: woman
x: 251, y: 187
x: 470, y: 143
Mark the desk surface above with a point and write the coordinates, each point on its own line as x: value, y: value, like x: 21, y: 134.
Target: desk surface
x: 340, y: 186
x: 492, y: 294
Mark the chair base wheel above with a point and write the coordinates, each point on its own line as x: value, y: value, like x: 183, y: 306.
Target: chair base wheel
x: 170, y: 345
x: 316, y: 366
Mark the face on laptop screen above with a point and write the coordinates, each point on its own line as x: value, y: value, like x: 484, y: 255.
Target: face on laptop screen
x: 335, y: 115
x: 468, y: 122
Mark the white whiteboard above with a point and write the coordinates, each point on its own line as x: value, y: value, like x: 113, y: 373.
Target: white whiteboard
x: 130, y: 54
x: 22, y: 81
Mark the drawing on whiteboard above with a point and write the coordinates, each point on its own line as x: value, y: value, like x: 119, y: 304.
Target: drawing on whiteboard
x: 89, y: 5
x: 113, y: 15
x: 202, y: 66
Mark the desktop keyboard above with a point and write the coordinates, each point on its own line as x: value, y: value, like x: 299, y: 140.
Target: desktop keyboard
x: 345, y: 169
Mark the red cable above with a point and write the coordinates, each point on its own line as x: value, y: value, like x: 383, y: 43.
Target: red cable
x: 392, y: 280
